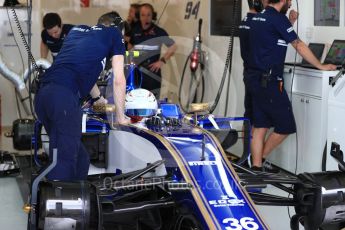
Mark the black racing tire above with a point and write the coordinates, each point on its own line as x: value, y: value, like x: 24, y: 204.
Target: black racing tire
x: 186, y: 222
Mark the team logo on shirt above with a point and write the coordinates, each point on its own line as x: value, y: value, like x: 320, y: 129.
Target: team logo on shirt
x: 259, y: 19
x: 244, y: 27
x: 96, y: 28
x: 289, y: 30
x: 281, y: 42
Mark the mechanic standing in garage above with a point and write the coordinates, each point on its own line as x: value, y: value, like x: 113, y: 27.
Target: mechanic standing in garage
x: 72, y: 76
x: 271, y: 32
x: 255, y: 6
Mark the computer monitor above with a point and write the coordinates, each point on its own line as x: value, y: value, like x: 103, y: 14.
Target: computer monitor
x: 317, y: 49
x: 336, y: 53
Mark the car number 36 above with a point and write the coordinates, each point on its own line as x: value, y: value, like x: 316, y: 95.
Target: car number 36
x: 246, y: 223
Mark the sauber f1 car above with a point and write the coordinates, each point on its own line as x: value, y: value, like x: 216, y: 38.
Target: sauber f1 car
x: 168, y: 170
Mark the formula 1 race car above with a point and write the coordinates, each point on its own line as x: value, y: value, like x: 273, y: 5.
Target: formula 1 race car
x: 170, y: 171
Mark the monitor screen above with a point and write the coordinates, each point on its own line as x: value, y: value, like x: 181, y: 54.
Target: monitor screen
x: 223, y: 16
x: 336, y: 53
x: 317, y: 49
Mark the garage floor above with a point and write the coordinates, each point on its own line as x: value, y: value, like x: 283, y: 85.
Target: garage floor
x: 12, y: 215
x: 14, y: 192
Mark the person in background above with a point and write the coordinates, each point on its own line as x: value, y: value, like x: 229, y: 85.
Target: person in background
x: 53, y: 34
x: 72, y: 76
x: 255, y: 6
x: 146, y: 36
x: 133, y: 14
x: 271, y: 32
x: 132, y: 21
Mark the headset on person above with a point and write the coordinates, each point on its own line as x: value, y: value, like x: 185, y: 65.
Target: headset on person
x: 113, y: 19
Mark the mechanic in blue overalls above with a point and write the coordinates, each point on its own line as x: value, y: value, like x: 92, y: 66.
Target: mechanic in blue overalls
x: 149, y: 38
x: 255, y: 6
x: 53, y: 34
x: 72, y: 76
x: 271, y: 32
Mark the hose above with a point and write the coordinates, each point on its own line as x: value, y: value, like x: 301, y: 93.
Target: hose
x: 196, y: 58
x: 228, y: 62
x: 40, y: 63
x: 228, y: 66
x: 193, y: 94
x: 11, y: 76
x: 184, y: 109
x: 22, y: 62
x: 27, y: 47
x: 180, y: 87
x: 31, y: 59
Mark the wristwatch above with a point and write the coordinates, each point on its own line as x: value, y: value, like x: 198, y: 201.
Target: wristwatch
x: 162, y: 59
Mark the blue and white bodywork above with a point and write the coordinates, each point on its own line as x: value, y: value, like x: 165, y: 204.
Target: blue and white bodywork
x: 170, y: 171
x: 191, y: 154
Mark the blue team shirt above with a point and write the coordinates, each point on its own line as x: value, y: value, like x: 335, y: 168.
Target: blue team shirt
x: 83, y: 57
x: 244, y: 29
x: 150, y: 41
x: 270, y: 34
x: 55, y: 44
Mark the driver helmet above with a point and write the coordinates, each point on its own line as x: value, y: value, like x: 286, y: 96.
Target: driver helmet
x: 140, y: 103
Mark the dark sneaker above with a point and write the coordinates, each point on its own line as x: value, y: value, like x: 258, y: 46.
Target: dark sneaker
x: 268, y: 167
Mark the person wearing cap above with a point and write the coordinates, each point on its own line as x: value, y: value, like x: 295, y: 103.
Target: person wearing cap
x: 72, y: 76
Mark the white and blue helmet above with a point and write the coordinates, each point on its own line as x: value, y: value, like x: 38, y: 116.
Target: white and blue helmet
x: 140, y: 103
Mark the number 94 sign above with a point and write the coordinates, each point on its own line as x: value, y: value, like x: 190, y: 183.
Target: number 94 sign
x: 192, y: 10
x: 246, y: 223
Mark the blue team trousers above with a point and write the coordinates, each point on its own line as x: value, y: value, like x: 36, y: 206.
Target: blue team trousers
x: 57, y: 107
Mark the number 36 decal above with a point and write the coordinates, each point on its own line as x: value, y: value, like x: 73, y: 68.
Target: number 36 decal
x: 246, y: 223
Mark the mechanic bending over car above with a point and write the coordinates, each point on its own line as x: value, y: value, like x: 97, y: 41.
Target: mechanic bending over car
x: 53, y: 34
x: 271, y: 32
x: 72, y: 76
